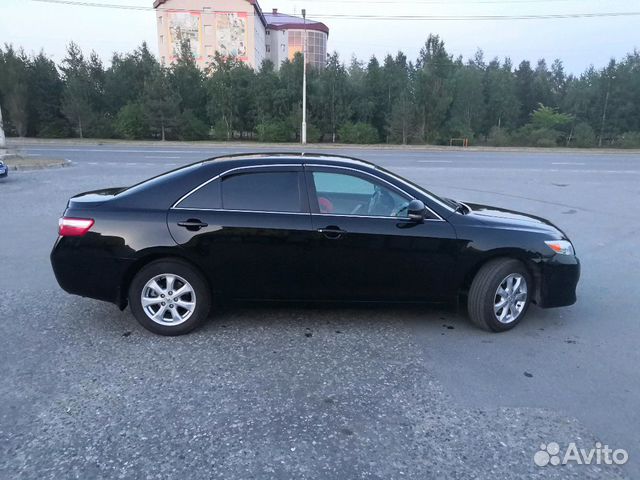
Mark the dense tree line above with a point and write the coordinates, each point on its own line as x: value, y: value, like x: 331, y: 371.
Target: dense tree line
x: 432, y: 100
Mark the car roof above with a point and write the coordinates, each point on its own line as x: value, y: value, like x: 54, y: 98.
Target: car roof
x: 262, y: 158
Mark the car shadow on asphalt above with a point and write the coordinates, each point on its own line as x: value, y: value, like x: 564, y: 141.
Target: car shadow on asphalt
x: 274, y: 317
x: 346, y: 314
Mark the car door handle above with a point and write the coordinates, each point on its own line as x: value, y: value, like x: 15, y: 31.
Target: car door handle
x: 332, y: 233
x: 193, y: 224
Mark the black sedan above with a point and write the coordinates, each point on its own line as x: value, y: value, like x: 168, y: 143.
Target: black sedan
x: 304, y: 227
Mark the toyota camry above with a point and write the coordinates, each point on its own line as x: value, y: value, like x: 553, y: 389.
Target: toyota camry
x: 304, y: 227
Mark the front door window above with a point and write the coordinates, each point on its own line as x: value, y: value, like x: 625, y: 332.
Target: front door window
x: 345, y: 194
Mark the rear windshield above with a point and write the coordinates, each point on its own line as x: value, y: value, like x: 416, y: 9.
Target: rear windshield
x: 160, y: 179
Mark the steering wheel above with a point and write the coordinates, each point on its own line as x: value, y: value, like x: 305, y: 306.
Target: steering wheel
x: 403, y: 207
x: 381, y: 202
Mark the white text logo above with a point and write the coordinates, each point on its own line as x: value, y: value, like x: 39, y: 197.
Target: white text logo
x: 550, y: 454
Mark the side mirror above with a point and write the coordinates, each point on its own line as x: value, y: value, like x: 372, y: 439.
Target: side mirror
x: 416, y: 210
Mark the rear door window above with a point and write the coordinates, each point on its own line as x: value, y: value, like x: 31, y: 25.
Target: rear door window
x: 206, y: 197
x: 263, y: 192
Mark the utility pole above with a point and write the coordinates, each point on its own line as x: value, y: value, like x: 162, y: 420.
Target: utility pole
x: 304, y: 80
x: 3, y: 141
x: 604, y: 110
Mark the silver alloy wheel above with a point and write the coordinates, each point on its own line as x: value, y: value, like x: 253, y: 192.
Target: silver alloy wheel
x: 510, y: 299
x: 168, y: 299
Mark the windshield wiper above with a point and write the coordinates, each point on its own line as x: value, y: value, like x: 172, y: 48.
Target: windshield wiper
x: 462, y: 208
x: 458, y: 207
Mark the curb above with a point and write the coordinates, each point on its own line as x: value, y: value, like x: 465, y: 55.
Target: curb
x: 26, y: 163
x: 204, y: 144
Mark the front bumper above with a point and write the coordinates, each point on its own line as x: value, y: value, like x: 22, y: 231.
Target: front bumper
x: 557, y: 281
x: 4, y: 171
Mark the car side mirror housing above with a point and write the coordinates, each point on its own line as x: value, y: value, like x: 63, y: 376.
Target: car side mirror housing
x: 416, y: 210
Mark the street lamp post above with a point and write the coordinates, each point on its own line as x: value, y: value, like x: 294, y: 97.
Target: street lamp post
x: 304, y: 81
x: 3, y: 142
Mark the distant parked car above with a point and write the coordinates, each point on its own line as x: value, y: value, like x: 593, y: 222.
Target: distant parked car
x: 4, y: 170
x: 308, y: 227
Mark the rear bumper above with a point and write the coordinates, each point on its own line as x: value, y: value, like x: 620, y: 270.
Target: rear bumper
x: 557, y: 280
x: 87, y: 273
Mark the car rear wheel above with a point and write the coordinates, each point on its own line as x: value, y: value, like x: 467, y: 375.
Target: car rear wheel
x: 500, y: 295
x: 169, y: 297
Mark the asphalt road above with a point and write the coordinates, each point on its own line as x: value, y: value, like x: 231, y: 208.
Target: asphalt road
x: 331, y: 392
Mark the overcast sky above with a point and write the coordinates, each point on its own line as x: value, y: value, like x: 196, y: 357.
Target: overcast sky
x: 579, y: 42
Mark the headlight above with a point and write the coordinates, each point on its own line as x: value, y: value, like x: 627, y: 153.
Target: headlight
x: 561, y: 247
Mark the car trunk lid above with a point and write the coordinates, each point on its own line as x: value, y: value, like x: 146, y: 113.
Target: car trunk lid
x: 93, y: 198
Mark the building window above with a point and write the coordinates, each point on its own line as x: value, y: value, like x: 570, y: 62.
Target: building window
x: 268, y: 32
x: 316, y: 46
x: 295, y: 43
x: 268, y: 48
x: 161, y: 39
x: 160, y: 19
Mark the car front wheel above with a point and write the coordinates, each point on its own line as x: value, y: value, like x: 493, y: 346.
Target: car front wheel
x: 169, y: 297
x: 500, y: 295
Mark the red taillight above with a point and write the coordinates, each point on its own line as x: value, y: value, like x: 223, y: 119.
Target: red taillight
x: 74, y: 227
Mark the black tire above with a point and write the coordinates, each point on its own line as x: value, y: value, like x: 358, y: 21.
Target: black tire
x: 482, y: 294
x: 181, y: 269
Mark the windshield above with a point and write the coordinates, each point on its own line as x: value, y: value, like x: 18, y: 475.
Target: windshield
x: 446, y: 203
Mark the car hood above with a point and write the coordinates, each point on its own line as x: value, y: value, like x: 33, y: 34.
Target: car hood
x: 503, y: 218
